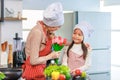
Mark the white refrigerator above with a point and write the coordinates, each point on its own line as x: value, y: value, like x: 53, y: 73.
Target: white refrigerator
x: 100, y: 42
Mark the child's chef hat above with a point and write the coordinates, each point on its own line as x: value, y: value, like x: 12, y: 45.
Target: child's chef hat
x: 86, y: 28
x: 53, y: 15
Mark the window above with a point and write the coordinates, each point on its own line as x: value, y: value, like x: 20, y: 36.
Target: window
x: 32, y: 17
x: 115, y: 32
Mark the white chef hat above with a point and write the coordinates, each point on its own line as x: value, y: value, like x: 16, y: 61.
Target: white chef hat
x: 53, y: 15
x: 86, y: 28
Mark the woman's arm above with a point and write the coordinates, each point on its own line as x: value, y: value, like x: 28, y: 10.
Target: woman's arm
x: 35, y: 42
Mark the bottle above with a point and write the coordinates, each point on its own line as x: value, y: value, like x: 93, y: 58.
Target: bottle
x: 19, y: 15
x: 10, y: 57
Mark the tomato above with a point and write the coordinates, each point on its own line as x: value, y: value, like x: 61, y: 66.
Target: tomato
x: 78, y: 72
x: 62, y: 77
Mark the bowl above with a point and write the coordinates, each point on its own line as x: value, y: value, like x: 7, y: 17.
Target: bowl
x: 12, y: 73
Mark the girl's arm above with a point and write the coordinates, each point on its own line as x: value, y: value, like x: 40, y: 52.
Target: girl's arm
x: 87, y: 63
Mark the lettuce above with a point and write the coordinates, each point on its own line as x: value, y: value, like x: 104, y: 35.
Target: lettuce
x: 2, y: 76
x: 61, y: 68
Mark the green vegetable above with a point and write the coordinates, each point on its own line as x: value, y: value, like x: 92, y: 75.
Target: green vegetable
x: 62, y: 69
x: 50, y: 69
x: 56, y: 60
x: 2, y: 76
x: 68, y: 76
x: 84, y: 74
x: 57, y: 47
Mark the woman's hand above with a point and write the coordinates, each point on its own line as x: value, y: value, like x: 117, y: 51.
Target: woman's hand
x: 88, y: 46
x: 54, y: 55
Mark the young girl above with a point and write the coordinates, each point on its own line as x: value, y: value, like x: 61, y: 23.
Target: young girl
x: 78, y: 53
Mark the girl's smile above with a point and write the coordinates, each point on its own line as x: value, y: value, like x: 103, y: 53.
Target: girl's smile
x: 77, y: 36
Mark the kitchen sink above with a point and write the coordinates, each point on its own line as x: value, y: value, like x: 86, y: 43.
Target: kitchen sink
x: 12, y: 73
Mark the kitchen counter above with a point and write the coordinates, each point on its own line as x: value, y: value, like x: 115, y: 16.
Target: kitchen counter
x: 12, y: 73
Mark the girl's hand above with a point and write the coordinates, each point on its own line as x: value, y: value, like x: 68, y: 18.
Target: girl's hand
x: 75, y: 72
x: 72, y: 72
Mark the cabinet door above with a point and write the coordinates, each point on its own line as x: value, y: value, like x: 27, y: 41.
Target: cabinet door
x: 100, y: 61
x: 100, y: 76
x: 67, y: 29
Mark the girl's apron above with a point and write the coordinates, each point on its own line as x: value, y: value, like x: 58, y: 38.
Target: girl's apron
x: 36, y: 72
x: 75, y: 61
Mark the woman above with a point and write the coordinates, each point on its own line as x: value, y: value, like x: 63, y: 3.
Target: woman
x: 38, y: 44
